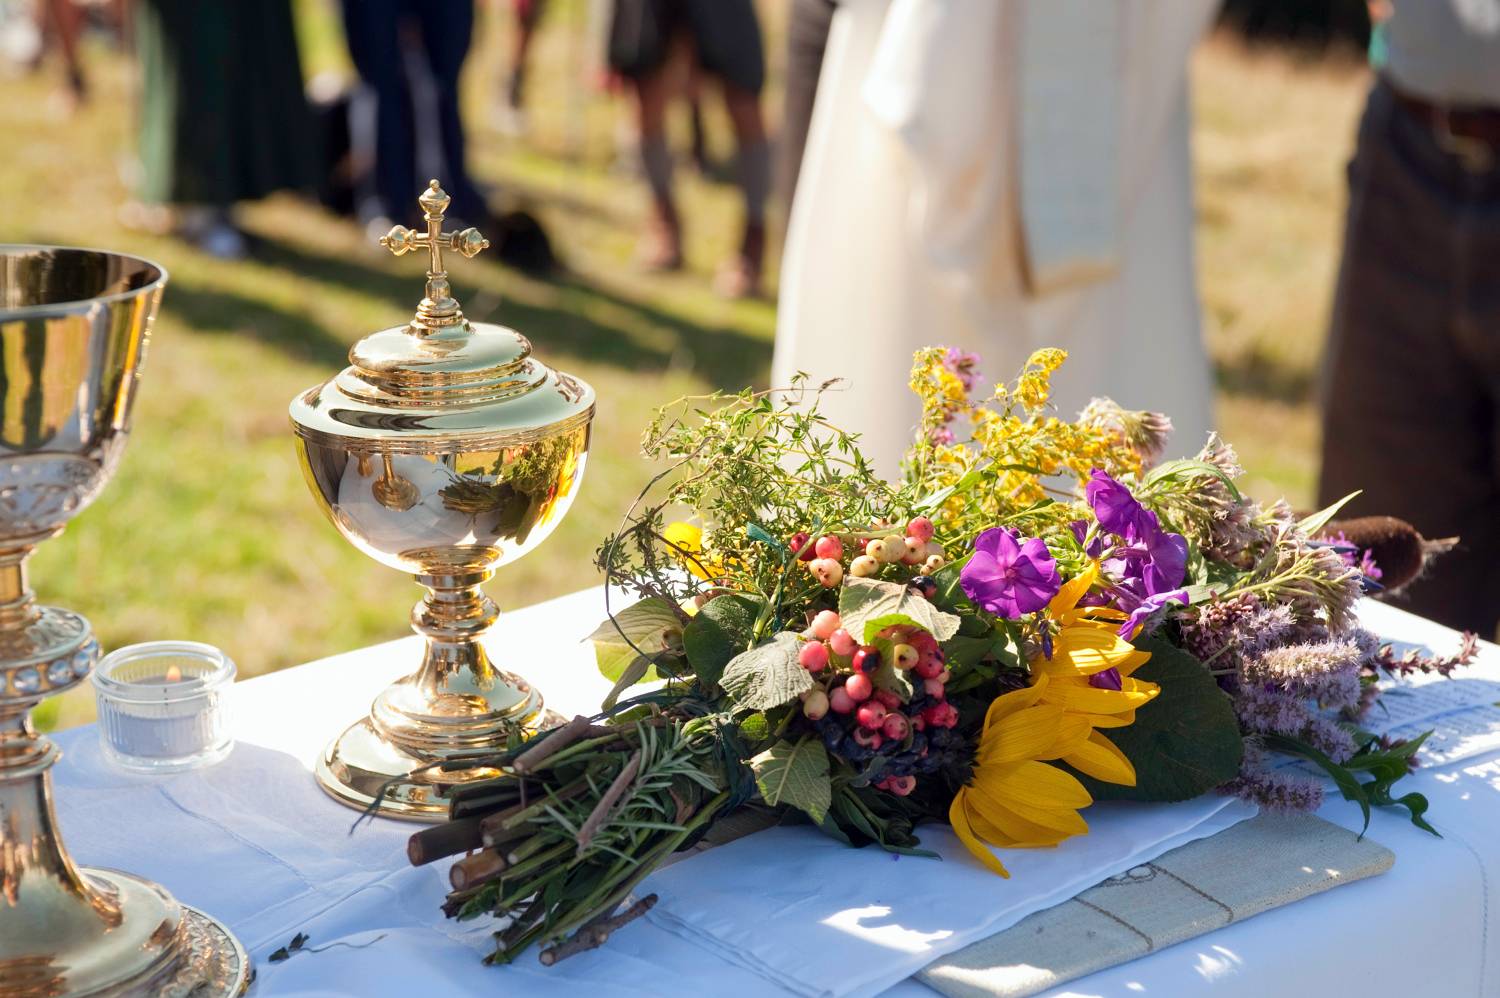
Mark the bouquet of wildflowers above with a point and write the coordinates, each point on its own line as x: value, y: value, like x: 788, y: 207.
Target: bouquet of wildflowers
x: 1040, y: 614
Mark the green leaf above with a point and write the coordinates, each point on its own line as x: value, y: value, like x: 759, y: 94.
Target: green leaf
x: 869, y: 606
x: 1346, y: 781
x: 758, y: 533
x: 1183, y: 743
x: 950, y: 593
x: 767, y: 675
x: 651, y: 624
x: 887, y: 676
x: 1000, y: 644
x: 755, y: 727
x: 629, y: 676
x: 720, y: 631
x: 1185, y: 467
x: 933, y: 500
x: 1310, y: 525
x: 796, y: 775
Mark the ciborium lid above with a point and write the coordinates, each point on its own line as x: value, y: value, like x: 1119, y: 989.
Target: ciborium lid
x: 441, y: 376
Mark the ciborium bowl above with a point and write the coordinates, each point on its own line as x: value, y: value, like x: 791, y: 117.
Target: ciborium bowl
x: 73, y: 331
x: 444, y: 450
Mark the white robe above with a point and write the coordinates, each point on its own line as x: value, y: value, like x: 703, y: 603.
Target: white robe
x: 919, y: 221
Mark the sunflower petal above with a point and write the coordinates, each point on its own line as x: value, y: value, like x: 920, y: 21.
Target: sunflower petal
x: 1124, y: 719
x: 959, y: 819
x: 1035, y: 784
x: 1083, y: 651
x: 1080, y: 696
x: 1064, y: 820
x: 1003, y: 827
x: 1025, y: 735
x: 1073, y: 590
x: 1134, y: 662
x: 1101, y: 758
x: 1008, y: 703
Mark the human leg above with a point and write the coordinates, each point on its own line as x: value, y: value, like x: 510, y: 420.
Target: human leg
x: 1408, y: 416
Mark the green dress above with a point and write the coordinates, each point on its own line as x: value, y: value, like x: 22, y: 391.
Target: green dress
x: 223, y: 115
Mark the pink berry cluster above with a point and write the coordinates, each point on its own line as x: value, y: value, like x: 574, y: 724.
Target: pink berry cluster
x: 857, y: 720
x: 872, y: 550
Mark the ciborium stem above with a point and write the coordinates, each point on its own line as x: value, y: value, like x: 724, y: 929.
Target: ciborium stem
x: 457, y: 702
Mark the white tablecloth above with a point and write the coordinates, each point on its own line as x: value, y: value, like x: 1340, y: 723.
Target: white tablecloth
x: 1421, y: 929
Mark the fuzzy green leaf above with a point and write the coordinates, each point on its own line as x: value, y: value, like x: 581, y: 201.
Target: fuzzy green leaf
x: 651, y: 624
x: 720, y: 631
x: 1183, y: 743
x: 795, y: 774
x: 868, y: 606
x: 767, y: 675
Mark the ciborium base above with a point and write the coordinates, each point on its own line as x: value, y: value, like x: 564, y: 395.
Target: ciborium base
x: 458, y: 703
x: 361, y: 767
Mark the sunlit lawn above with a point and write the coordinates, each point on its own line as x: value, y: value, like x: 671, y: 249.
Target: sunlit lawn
x: 208, y: 532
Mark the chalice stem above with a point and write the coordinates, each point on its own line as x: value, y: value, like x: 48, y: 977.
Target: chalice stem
x: 17, y: 600
x: 29, y: 843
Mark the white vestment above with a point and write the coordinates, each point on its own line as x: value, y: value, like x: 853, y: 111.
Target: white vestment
x: 999, y: 176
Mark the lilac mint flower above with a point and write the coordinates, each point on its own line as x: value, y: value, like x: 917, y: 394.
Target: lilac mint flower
x: 1009, y: 577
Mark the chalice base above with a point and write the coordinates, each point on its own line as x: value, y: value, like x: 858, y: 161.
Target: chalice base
x: 116, y: 941
x: 383, y: 757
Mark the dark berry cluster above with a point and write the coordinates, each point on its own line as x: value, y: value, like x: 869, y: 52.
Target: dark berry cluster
x: 857, y: 720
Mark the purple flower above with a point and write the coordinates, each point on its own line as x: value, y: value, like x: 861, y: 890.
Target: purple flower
x: 1080, y: 530
x: 1141, y: 614
x: 1008, y: 577
x: 1118, y: 511
x: 1109, y: 679
x: 1166, y: 562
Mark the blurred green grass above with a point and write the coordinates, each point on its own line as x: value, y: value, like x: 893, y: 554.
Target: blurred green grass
x: 207, y: 532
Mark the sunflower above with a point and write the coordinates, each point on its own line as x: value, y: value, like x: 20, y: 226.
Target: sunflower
x: 1015, y: 797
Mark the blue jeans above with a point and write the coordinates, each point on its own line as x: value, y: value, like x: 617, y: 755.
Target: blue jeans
x: 379, y: 33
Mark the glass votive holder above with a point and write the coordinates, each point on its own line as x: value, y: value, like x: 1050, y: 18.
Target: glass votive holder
x: 162, y: 706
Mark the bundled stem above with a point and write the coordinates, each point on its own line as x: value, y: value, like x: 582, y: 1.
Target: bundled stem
x: 566, y: 834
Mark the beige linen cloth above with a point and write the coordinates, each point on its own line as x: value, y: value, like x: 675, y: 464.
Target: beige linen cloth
x: 998, y: 175
x: 1263, y: 863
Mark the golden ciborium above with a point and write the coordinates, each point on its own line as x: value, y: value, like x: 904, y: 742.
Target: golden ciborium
x: 73, y: 326
x: 444, y: 450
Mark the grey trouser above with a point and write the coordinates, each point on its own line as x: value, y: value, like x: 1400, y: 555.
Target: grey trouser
x: 1411, y: 406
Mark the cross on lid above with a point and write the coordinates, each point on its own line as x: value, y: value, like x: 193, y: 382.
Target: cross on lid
x: 438, y: 308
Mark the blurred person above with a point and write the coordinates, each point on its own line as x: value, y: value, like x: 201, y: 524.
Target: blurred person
x: 1411, y: 403
x: 390, y: 41
x: 223, y: 116
x: 61, y: 23
x: 525, y: 15
x: 723, y: 39
x: 806, y: 40
x: 998, y: 176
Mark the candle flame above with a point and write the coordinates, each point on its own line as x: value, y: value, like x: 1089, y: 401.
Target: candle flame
x: 174, y: 674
